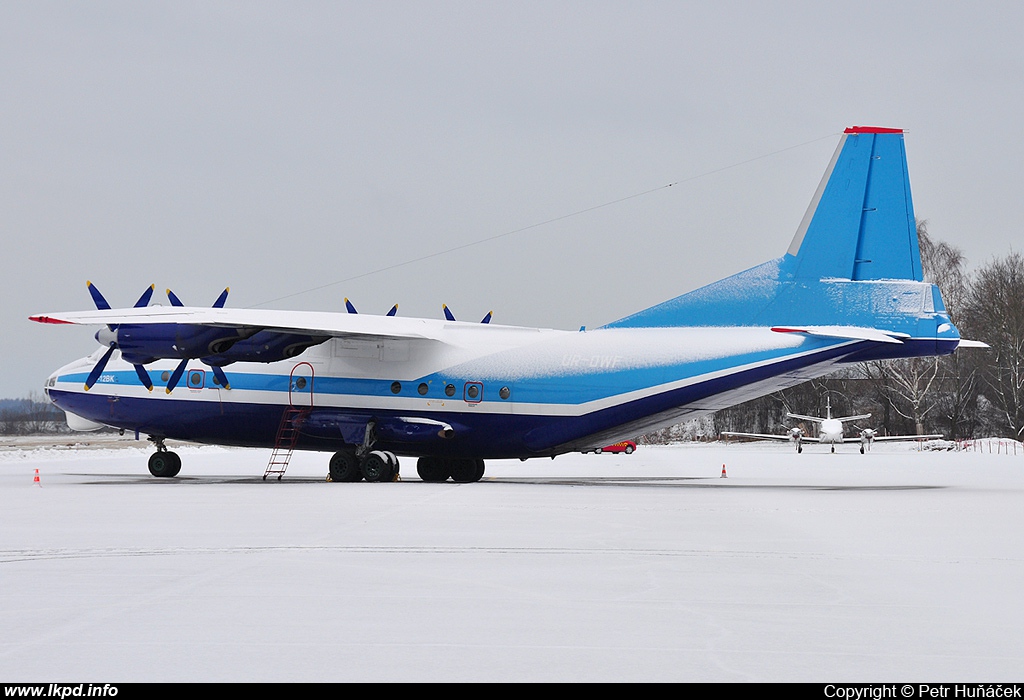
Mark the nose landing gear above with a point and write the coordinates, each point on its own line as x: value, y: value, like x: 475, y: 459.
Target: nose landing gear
x: 163, y: 463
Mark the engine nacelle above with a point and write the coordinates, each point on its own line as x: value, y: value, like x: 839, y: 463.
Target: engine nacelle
x: 142, y: 344
x: 265, y: 346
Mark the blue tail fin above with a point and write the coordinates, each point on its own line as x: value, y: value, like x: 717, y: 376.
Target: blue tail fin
x: 860, y: 225
x: 859, y: 228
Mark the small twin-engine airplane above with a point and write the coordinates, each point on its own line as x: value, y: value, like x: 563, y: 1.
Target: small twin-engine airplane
x: 453, y: 394
x: 830, y: 432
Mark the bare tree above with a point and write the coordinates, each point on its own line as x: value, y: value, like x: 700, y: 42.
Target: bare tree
x: 994, y: 313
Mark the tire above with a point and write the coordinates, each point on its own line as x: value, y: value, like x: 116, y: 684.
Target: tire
x: 344, y: 467
x: 432, y: 469
x: 164, y: 464
x: 598, y: 451
x: 629, y: 449
x: 376, y: 467
x: 466, y: 471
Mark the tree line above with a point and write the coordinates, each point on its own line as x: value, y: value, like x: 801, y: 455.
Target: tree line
x: 972, y: 393
x: 30, y: 416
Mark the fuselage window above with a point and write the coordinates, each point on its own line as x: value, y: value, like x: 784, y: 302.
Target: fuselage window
x: 396, y: 387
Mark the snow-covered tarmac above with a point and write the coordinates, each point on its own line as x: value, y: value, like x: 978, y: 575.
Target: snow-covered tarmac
x: 894, y: 566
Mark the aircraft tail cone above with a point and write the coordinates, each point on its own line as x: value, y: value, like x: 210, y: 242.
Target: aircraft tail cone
x: 35, y: 479
x: 724, y: 475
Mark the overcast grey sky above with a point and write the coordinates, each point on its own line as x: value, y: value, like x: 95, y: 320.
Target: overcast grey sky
x: 278, y: 147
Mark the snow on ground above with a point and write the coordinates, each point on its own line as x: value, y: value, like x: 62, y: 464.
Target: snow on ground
x: 895, y: 565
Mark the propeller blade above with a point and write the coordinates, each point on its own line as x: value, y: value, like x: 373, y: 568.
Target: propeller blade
x: 487, y: 318
x: 350, y: 307
x: 221, y: 377
x: 144, y: 377
x: 97, y: 298
x: 394, y: 310
x: 447, y: 314
x: 219, y: 304
x: 98, y: 369
x: 144, y: 299
x: 176, y: 375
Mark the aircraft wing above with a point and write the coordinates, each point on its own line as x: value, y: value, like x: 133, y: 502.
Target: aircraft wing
x: 298, y: 322
x: 896, y: 438
x: 766, y: 436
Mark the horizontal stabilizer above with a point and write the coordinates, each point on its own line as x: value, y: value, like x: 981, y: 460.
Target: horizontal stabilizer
x: 846, y: 332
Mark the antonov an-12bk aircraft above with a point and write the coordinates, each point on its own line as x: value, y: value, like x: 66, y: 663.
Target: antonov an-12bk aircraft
x: 452, y: 394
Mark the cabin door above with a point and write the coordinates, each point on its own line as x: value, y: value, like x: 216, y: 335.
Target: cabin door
x: 300, y: 386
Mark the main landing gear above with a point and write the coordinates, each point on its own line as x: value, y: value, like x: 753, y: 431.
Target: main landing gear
x: 163, y: 463
x: 374, y: 466
x: 461, y: 471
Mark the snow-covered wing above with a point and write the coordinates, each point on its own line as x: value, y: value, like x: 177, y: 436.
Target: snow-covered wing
x: 298, y: 322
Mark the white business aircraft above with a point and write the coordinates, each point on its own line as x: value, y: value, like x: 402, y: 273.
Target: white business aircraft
x: 452, y: 394
x: 831, y: 432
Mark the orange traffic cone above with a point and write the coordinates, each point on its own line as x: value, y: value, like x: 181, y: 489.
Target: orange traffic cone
x: 724, y: 475
x: 35, y: 479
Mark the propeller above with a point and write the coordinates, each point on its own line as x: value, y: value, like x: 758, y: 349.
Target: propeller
x: 352, y: 309
x: 180, y: 369
x: 451, y: 317
x: 102, y: 305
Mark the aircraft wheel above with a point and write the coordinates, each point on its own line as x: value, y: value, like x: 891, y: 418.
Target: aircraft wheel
x: 465, y: 471
x: 376, y: 467
x: 344, y: 467
x: 432, y: 469
x: 833, y: 449
x: 164, y: 464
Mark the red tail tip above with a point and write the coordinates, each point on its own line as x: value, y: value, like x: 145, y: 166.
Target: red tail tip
x: 871, y: 130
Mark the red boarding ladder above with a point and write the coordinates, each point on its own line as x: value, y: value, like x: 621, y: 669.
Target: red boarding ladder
x: 284, y: 444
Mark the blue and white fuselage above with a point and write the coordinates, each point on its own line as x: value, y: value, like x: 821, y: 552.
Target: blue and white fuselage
x: 849, y: 289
